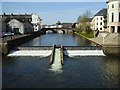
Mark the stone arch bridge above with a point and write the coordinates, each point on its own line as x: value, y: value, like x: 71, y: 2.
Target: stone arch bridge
x: 57, y: 30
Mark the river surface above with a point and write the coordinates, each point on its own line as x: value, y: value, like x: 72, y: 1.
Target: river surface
x: 77, y: 72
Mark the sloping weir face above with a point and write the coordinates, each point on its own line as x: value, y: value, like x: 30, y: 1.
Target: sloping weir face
x: 44, y: 51
x: 56, y: 66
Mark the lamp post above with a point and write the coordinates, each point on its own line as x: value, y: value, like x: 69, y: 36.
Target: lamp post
x: 104, y: 35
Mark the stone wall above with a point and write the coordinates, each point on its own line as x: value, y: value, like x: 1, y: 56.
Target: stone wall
x: 15, y: 42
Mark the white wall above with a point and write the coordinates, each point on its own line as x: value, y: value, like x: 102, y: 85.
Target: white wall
x: 36, y: 21
x: 114, y: 10
x: 95, y: 20
x: 17, y: 24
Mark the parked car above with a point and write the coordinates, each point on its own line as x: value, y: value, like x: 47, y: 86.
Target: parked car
x: 9, y: 34
x: 3, y: 34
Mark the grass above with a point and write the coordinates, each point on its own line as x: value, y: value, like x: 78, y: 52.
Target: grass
x: 88, y: 35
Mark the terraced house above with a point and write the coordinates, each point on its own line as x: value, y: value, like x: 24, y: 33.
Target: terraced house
x: 98, y: 20
x: 113, y: 16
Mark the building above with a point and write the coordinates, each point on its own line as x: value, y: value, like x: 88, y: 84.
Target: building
x: 58, y: 24
x: 12, y: 22
x: 98, y: 21
x: 36, y: 21
x: 2, y: 24
x: 67, y: 25
x: 16, y: 26
x: 113, y: 14
x: 19, y: 27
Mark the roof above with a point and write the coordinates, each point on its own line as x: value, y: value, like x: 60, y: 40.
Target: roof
x: 20, y: 17
x: 67, y: 24
x: 111, y: 0
x: 15, y: 20
x: 102, y: 12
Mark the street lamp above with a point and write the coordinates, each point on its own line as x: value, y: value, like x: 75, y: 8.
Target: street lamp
x: 104, y: 35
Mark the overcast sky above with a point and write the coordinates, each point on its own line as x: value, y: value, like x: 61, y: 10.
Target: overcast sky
x: 51, y: 12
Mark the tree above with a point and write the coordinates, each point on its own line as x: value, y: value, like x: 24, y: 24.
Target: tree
x: 84, y: 22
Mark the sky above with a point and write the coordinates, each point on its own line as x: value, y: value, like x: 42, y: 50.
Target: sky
x: 51, y: 12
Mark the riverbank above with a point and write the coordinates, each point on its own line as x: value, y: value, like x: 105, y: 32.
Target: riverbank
x: 91, y: 39
x: 110, y: 45
x: 6, y: 46
x: 109, y: 40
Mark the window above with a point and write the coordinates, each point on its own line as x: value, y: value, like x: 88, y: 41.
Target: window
x: 101, y: 18
x: 112, y: 17
x: 101, y: 23
x: 107, y: 17
x: 119, y: 5
x: 100, y: 28
x: 97, y: 23
x: 108, y: 6
x: 97, y: 18
x: 119, y: 16
x: 112, y: 5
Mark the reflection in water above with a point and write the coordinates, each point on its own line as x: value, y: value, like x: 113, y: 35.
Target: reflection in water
x: 77, y: 72
x: 86, y: 72
x: 110, y: 68
x: 58, y: 39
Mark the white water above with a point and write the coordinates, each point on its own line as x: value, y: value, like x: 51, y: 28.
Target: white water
x: 41, y: 53
x: 56, y: 66
x: 73, y: 53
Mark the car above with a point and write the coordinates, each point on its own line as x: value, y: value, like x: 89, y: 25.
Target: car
x: 2, y: 35
x: 9, y: 34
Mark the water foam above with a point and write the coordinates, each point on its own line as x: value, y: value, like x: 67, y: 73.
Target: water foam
x: 72, y: 53
x: 56, y: 66
x: 41, y: 53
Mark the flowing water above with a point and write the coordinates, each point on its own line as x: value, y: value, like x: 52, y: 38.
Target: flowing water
x: 77, y: 72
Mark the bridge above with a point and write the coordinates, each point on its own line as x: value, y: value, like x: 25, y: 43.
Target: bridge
x: 57, y: 30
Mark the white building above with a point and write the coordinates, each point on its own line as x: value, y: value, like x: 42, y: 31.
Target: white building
x: 98, y: 20
x: 36, y: 21
x: 113, y: 15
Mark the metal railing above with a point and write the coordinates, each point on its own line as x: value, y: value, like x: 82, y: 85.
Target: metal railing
x: 7, y: 38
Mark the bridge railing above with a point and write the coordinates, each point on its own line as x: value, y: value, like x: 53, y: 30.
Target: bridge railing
x: 82, y: 48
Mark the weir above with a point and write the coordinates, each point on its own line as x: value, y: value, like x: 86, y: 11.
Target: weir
x: 56, y: 55
x: 56, y: 59
x: 73, y: 51
x: 44, y: 51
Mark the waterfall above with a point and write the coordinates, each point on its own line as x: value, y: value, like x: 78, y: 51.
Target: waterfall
x: 56, y: 66
x: 41, y: 53
x: 73, y: 53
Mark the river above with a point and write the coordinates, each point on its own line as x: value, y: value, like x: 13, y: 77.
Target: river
x: 77, y: 72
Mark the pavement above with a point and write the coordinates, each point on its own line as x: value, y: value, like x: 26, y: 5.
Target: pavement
x: 112, y: 39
